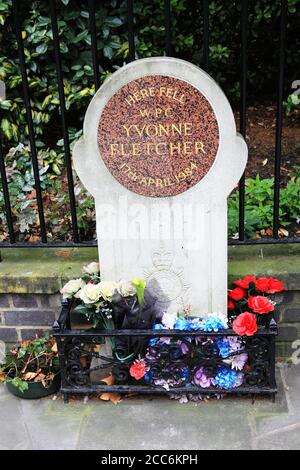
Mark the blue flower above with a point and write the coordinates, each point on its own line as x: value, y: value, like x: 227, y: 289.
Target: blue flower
x: 214, y: 322
x: 185, y: 373
x: 224, y: 347
x: 153, y: 341
x: 226, y: 378
x: 158, y: 326
x: 182, y: 324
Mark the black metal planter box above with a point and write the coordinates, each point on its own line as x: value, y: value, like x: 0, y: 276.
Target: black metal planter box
x: 78, y: 347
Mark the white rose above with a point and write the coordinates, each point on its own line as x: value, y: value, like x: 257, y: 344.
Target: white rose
x: 90, y: 293
x: 126, y: 288
x: 107, y: 289
x: 92, y: 268
x: 71, y: 288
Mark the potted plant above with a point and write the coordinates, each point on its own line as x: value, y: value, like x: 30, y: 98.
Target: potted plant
x: 31, y: 369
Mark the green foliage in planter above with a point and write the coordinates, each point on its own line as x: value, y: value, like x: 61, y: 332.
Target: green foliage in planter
x: 32, y: 361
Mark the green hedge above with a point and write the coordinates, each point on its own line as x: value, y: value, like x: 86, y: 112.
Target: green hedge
x: 187, y: 29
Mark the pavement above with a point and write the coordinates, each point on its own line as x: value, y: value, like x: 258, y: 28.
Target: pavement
x: 155, y: 423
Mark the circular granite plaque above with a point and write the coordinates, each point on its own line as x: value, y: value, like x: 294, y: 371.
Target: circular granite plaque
x: 158, y: 136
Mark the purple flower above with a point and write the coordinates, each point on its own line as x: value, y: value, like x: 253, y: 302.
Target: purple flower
x: 201, y: 379
x: 239, y: 380
x: 239, y: 361
x: 235, y: 343
x: 184, y: 347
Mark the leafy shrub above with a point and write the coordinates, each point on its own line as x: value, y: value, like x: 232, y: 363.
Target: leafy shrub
x: 259, y: 204
x: 112, y: 42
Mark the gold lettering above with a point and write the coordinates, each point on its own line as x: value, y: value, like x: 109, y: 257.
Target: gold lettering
x: 130, y: 100
x: 137, y: 96
x: 122, y: 149
x: 157, y: 146
x: 127, y: 129
x: 113, y: 147
x: 199, y: 147
x: 187, y: 128
x: 180, y: 99
x: 144, y: 93
x: 176, y: 129
x: 162, y: 91
x: 148, y: 148
x: 148, y: 130
x: 140, y: 131
x: 136, y: 149
x: 145, y: 112
x: 174, y: 147
x: 164, y: 130
x: 187, y: 148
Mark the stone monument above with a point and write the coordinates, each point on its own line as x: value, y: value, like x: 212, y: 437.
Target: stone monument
x: 160, y: 154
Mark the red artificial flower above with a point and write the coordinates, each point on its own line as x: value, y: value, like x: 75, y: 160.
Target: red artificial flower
x: 262, y: 284
x: 244, y: 283
x: 138, y: 370
x: 260, y: 304
x: 245, y: 324
x: 274, y: 286
x: 231, y: 305
x: 237, y: 293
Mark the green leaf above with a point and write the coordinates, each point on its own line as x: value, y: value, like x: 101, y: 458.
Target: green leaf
x: 6, y: 104
x: 113, y: 22
x: 41, y: 49
x: 140, y: 286
x: 20, y: 384
x: 108, y: 52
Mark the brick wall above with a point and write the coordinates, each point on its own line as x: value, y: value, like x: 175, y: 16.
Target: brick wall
x: 288, y: 318
x: 22, y: 316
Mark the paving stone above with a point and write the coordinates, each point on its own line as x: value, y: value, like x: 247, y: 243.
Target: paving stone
x: 271, y: 421
x: 164, y: 424
x: 160, y: 423
x: 13, y: 432
x: 287, y: 439
x: 53, y: 424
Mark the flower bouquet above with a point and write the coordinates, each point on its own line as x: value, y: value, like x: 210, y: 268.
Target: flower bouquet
x: 113, y: 305
x: 216, y: 354
x: 251, y: 303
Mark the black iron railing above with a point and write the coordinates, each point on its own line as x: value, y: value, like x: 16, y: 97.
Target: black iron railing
x: 166, y: 364
x: 92, y: 5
